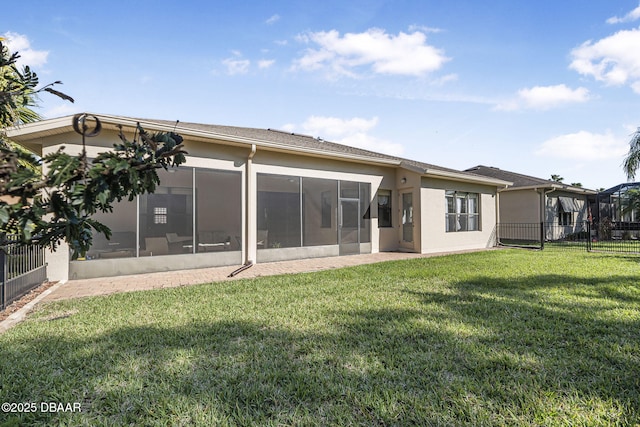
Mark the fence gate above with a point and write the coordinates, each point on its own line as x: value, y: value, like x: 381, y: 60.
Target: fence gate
x: 22, y: 268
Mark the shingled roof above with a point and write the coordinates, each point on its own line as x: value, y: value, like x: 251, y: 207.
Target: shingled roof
x: 271, y: 139
x: 274, y: 136
x: 293, y: 139
x: 521, y: 181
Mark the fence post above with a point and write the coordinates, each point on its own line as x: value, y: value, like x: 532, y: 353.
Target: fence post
x: 588, y: 236
x: 542, y: 235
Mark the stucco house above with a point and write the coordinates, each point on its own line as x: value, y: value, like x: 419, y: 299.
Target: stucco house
x: 256, y: 195
x: 561, y: 207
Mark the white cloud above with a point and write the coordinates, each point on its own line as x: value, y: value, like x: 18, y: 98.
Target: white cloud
x: 402, y: 54
x: 236, y: 64
x: 60, y: 110
x: 612, y: 60
x: 266, y: 63
x: 335, y: 127
x: 424, y: 29
x: 634, y: 15
x: 583, y: 146
x: 272, y: 20
x: 545, y: 97
x: 353, y: 132
x: 445, y: 79
x: 289, y: 127
x: 20, y: 43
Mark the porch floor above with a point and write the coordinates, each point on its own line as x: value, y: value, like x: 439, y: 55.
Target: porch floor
x: 108, y: 285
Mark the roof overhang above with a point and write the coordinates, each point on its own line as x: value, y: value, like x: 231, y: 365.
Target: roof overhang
x: 457, y: 176
x: 554, y: 187
x: 31, y: 132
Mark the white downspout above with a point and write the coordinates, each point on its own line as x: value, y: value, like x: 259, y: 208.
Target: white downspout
x: 250, y: 210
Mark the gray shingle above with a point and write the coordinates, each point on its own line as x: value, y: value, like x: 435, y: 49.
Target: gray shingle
x: 518, y: 179
x: 299, y: 141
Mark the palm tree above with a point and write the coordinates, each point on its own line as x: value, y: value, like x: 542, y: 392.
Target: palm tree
x: 18, y: 93
x: 632, y: 161
x: 18, y: 97
x: 556, y: 178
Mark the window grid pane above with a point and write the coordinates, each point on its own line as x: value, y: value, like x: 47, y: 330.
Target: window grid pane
x: 462, y: 211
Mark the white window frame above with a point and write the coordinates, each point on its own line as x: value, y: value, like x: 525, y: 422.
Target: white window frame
x: 465, y: 215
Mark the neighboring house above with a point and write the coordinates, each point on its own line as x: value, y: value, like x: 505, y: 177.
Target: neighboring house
x: 256, y: 195
x: 530, y: 200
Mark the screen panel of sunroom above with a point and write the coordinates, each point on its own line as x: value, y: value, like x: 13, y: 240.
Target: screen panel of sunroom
x: 303, y: 211
x: 279, y: 209
x: 218, y: 210
x: 167, y: 217
x: 319, y: 198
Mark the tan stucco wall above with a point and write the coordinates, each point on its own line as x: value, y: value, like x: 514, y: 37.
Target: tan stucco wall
x: 520, y: 207
x: 389, y: 237
x: 523, y: 206
x: 434, y: 237
x: 150, y: 264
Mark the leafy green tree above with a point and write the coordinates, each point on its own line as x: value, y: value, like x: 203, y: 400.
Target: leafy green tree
x: 557, y: 178
x: 59, y: 205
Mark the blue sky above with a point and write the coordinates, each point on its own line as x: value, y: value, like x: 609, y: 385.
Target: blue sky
x: 538, y: 87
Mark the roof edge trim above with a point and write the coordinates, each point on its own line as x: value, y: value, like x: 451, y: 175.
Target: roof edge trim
x: 468, y: 177
x: 554, y: 187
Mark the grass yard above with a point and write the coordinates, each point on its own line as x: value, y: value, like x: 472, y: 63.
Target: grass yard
x: 506, y: 337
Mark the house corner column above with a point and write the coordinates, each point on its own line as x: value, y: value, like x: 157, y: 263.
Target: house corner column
x: 58, y: 263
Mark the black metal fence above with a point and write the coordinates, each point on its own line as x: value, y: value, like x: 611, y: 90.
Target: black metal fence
x: 618, y: 237
x: 22, y: 268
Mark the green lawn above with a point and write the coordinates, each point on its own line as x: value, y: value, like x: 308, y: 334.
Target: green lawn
x: 508, y: 337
